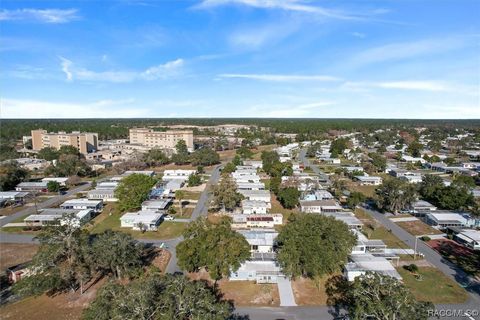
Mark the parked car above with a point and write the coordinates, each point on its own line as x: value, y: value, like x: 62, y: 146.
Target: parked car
x: 168, y: 218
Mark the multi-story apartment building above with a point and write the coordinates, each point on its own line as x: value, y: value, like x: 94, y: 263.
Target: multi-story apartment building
x: 85, y: 142
x: 160, y: 139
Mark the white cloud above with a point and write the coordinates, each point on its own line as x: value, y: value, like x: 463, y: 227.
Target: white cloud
x: 162, y: 71
x: 17, y: 108
x: 358, y: 35
x: 404, y: 50
x: 279, y: 77
x: 287, y: 5
x: 414, y: 85
x: 54, y: 16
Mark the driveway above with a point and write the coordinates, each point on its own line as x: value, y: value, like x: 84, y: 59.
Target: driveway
x: 287, y: 299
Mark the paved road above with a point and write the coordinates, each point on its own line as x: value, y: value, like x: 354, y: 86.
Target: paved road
x: 201, y: 209
x: 303, y: 158
x: 287, y: 313
x: 45, y: 204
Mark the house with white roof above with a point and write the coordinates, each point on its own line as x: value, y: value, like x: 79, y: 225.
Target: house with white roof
x: 51, y: 216
x: 410, y: 159
x: 257, y: 164
x: 141, y: 220
x: 470, y: 238
x: 254, y: 207
x: 369, y: 180
x: 62, y: 181
x: 156, y: 205
x: 258, y: 195
x: 82, y: 204
x: 359, y: 264
x: 422, y: 206
x: 319, y: 206
x: 14, y: 196
x: 32, y: 186
x: 179, y: 174
x: 442, y: 220
x: 245, y: 221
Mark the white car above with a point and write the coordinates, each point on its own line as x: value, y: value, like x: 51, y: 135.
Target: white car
x: 168, y: 218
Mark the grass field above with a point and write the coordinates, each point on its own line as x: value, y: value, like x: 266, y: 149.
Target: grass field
x: 417, y: 228
x: 308, y: 293
x: 248, y: 293
x: 189, y: 195
x: 368, y: 191
x: 166, y: 230
x: 15, y: 253
x: 434, y: 286
x: 374, y: 230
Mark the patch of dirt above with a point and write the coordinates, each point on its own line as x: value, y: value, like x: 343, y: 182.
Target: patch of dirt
x: 12, y: 254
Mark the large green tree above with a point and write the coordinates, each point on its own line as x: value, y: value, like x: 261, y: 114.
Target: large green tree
x: 395, y: 194
x: 288, y: 197
x: 181, y: 153
x: 415, y: 148
x: 215, y: 247
x: 133, y: 190
x: 69, y: 165
x: 156, y: 157
x: 204, y: 157
x: 116, y: 253
x: 157, y: 297
x: 382, y: 297
x: 338, y: 146
x: 225, y: 195
x: 48, y: 154
x: 313, y: 245
x: 62, y: 262
x: 11, y: 174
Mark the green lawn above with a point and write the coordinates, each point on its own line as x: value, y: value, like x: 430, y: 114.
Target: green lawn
x: 434, y: 286
x: 166, y: 230
x: 379, y: 231
x: 189, y: 195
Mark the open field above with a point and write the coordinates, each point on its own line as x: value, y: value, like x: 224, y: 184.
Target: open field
x: 464, y: 257
x: 12, y: 254
x: 418, y: 228
x: 248, y: 293
x: 368, y: 191
x: 308, y: 293
x: 434, y: 286
x: 190, y: 195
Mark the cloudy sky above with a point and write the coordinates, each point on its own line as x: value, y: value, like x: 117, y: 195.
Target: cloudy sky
x: 240, y: 58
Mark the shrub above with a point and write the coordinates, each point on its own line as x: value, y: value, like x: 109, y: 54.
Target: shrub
x: 426, y: 238
x: 411, y: 267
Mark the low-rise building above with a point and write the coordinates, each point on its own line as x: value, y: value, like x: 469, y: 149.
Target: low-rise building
x: 369, y: 180
x: 470, y: 238
x: 179, y: 174
x: 14, y: 196
x: 362, y: 263
x: 62, y: 181
x: 422, y: 206
x: 156, y: 205
x: 54, y: 216
x: 260, y: 271
x: 443, y: 220
x: 258, y: 195
x: 254, y: 207
x: 32, y: 186
x: 256, y: 220
x: 319, y: 206
x: 141, y: 220
x: 106, y: 195
x: 82, y: 204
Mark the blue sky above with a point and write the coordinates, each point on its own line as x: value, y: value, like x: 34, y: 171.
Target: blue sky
x: 240, y: 58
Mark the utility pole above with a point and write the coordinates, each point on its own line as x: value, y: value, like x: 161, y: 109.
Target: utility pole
x: 415, y: 251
